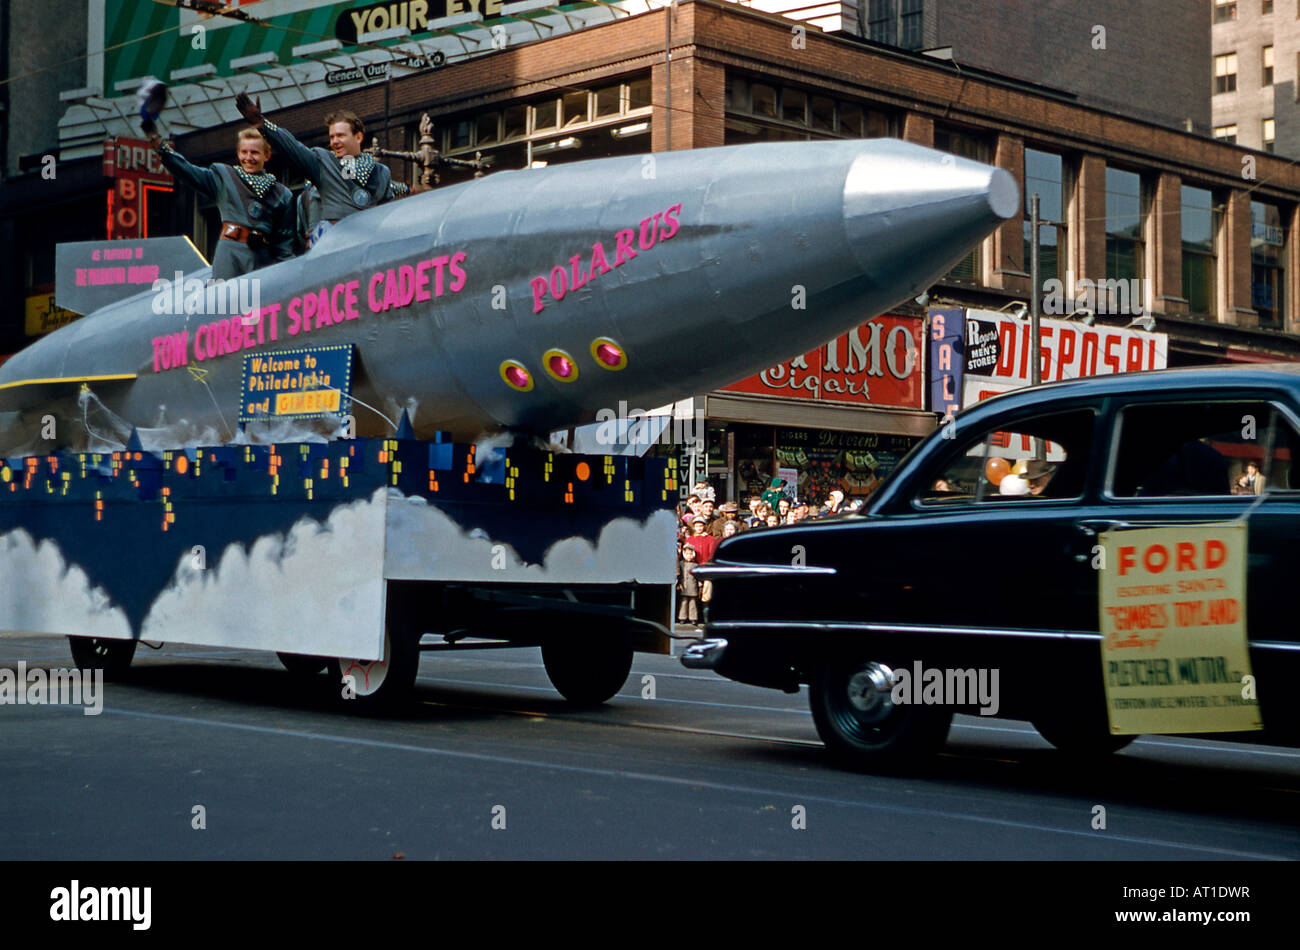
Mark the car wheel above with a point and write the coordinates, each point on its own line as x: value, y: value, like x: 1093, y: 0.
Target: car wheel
x: 863, y: 728
x: 587, y: 668
x: 304, y: 664
x: 99, y: 653
x: 381, y: 686
x: 1080, y: 739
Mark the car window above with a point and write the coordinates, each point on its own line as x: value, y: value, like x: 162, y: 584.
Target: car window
x: 1201, y: 447
x: 1043, y: 457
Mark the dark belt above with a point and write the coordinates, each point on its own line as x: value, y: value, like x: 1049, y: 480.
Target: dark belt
x: 237, y: 232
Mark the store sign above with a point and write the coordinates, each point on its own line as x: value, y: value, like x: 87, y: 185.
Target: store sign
x: 947, y: 360
x: 137, y: 172
x: 414, y: 15
x: 999, y: 348
x: 876, y: 364
x: 823, y: 460
x: 380, y: 70
x: 293, y: 22
x: 43, y: 315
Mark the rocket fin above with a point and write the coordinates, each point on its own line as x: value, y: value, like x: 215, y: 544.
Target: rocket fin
x: 31, y: 393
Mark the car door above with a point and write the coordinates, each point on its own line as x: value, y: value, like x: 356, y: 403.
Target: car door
x: 977, y: 543
x: 1186, y: 458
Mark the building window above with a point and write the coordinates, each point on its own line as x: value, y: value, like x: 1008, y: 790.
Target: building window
x: 613, y: 119
x: 1265, y: 7
x: 546, y: 115
x: 784, y: 113
x: 1200, y: 227
x: 575, y: 107
x: 1125, y: 222
x: 1268, y: 264
x: 1225, y: 10
x: 1225, y: 73
x: 1267, y: 78
x: 911, y: 31
x: 821, y: 114
x: 638, y: 94
x: 1226, y: 133
x: 764, y: 100
x: 1269, y: 134
x: 794, y: 106
x: 972, y: 146
x: 1045, y: 174
x: 882, y: 17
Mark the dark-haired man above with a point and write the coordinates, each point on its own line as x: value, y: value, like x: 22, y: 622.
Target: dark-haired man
x: 348, y: 179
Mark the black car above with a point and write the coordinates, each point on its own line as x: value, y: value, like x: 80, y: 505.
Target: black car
x: 981, y: 554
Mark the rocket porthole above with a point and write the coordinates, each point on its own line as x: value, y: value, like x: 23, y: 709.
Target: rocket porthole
x: 608, y: 354
x: 560, y: 365
x: 516, y: 376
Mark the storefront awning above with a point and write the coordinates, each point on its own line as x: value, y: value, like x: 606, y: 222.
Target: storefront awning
x: 804, y: 413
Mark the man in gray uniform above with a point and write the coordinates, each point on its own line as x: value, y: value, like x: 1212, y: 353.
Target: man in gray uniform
x: 348, y: 179
x: 256, y: 210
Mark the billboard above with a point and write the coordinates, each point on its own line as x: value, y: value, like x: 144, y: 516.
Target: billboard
x: 876, y: 364
x: 996, y: 354
x: 190, y: 40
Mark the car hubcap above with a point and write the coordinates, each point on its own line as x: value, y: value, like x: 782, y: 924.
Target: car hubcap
x: 367, y: 675
x: 870, y: 692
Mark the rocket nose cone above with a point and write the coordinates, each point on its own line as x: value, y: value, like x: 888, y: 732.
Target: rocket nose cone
x: 909, y: 210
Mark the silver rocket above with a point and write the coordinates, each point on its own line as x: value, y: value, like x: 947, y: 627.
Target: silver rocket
x: 529, y: 300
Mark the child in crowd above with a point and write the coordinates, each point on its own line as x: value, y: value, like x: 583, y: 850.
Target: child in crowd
x: 688, y: 588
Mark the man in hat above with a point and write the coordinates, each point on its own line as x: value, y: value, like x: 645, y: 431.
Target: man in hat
x: 1038, y: 473
x: 348, y: 180
x: 1027, y: 478
x: 256, y: 210
x: 730, y: 513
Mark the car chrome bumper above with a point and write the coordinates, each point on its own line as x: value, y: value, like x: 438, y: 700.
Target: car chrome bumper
x: 704, y: 654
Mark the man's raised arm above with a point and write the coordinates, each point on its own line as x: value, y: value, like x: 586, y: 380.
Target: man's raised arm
x: 295, y: 153
x: 204, y: 181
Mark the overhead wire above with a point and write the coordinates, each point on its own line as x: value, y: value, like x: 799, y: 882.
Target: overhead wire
x: 244, y: 17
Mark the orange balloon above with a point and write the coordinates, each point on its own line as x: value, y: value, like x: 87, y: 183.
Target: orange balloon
x: 997, y: 469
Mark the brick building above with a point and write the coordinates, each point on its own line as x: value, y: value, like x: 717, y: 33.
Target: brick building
x: 1143, y: 59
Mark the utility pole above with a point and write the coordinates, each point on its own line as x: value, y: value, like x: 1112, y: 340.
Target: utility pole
x: 669, y: 12
x: 1036, y: 370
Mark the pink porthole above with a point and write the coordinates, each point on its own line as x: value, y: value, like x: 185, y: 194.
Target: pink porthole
x: 560, y: 365
x: 516, y: 376
x: 608, y: 354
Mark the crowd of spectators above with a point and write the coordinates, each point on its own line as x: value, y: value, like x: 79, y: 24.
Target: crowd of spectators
x: 703, y: 524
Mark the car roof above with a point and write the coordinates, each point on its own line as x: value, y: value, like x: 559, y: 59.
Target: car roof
x: 1180, y: 379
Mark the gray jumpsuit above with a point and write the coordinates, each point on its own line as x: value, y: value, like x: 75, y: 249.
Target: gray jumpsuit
x: 270, y: 213
x: 345, y: 185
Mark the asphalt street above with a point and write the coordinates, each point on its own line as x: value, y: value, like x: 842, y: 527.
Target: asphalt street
x: 490, y: 763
